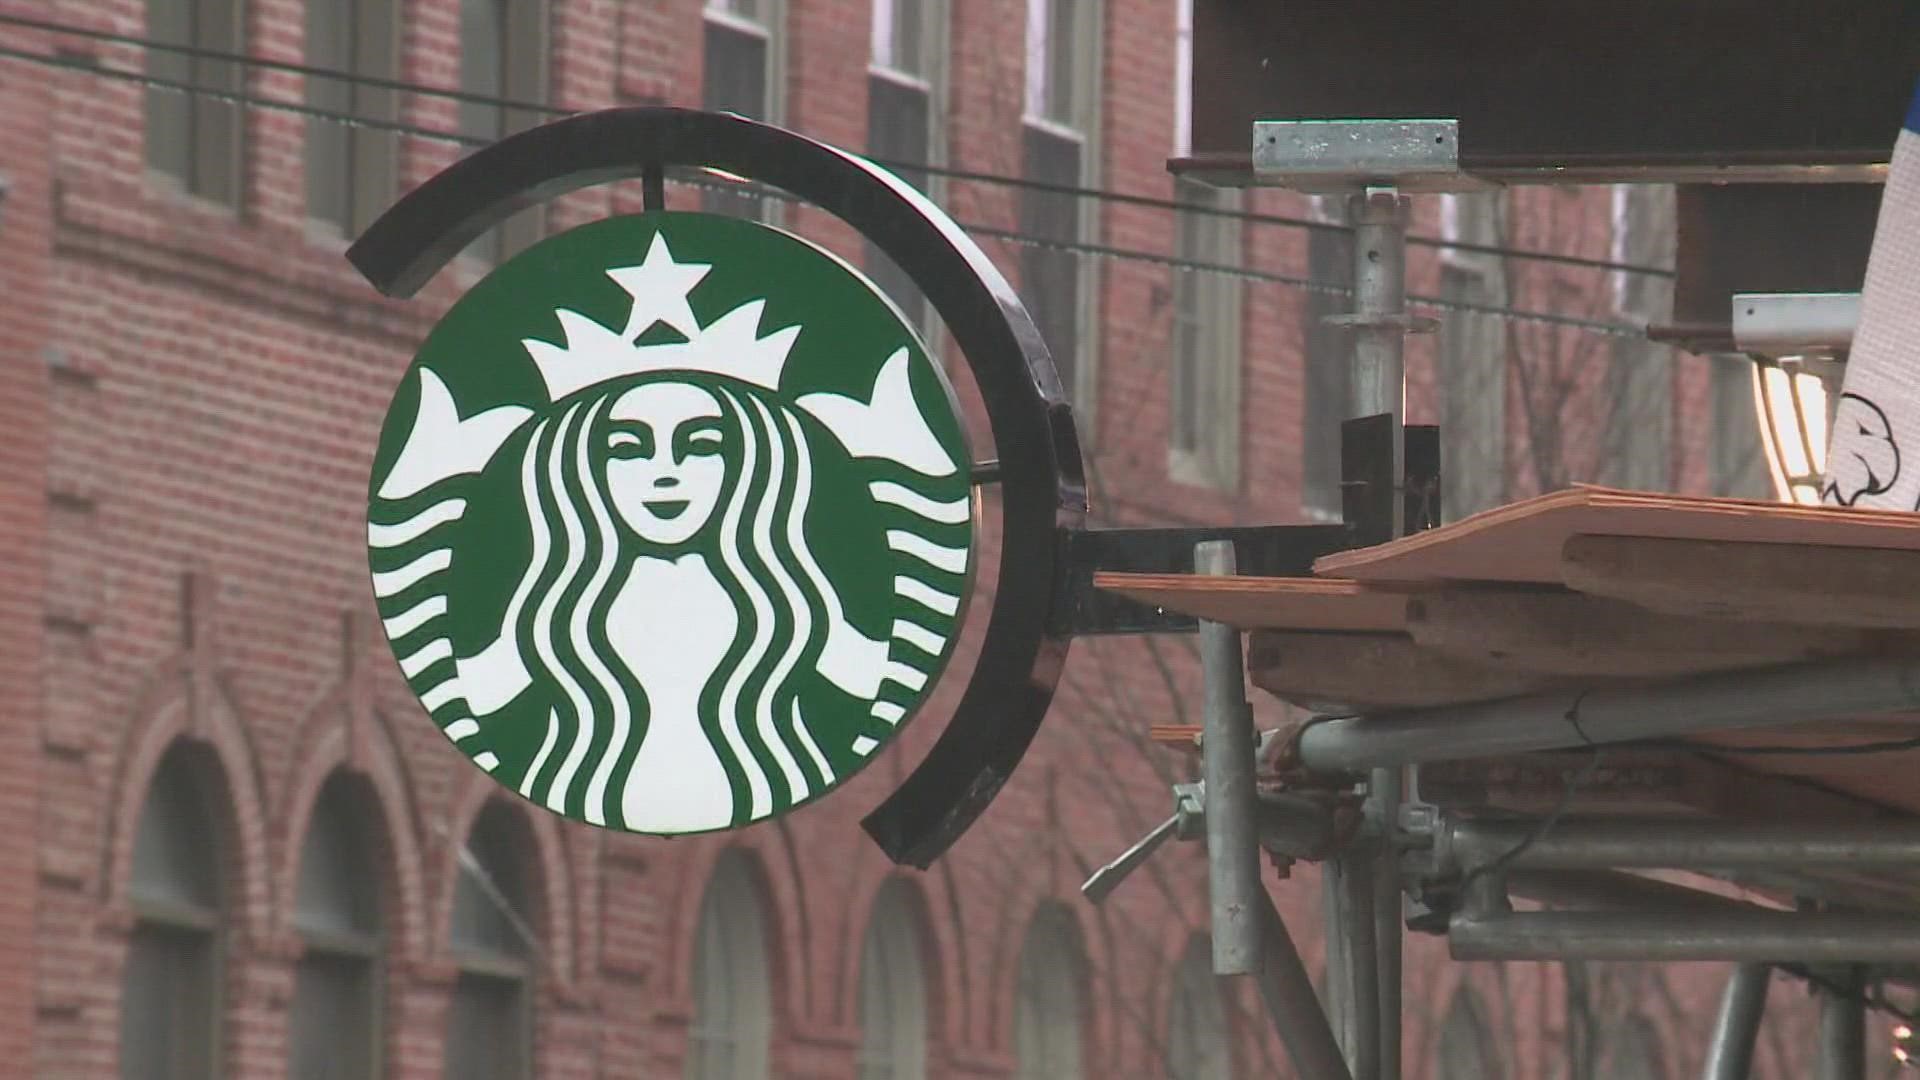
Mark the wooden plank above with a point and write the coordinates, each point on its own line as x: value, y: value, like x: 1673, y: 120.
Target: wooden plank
x: 1252, y: 603
x: 1361, y: 672
x: 1798, y: 582
x: 1884, y: 777
x: 1565, y: 633
x: 1522, y: 542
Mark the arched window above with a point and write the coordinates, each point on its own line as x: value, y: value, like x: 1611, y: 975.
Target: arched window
x: 352, y: 172
x: 1198, y: 1046
x: 171, y: 1004
x: 732, y: 999
x: 503, y: 55
x: 1633, y: 1052
x: 336, y: 909
x: 1049, y: 1004
x: 490, y: 1036
x: 893, y: 991
x: 1467, y: 1049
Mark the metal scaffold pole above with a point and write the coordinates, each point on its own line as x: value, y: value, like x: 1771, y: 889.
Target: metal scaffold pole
x: 1249, y: 937
x: 1843, y: 1028
x: 1730, y: 1055
x: 1378, y: 382
x: 1363, y: 902
x: 1227, y: 746
x: 1363, y: 884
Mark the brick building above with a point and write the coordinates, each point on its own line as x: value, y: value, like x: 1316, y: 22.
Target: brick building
x: 235, y: 845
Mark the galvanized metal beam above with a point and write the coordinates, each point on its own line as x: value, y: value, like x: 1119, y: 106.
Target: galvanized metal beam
x: 1292, y: 1005
x: 1226, y: 749
x: 1735, y: 1029
x: 1750, y: 935
x: 1562, y: 720
x: 1683, y: 844
x: 1843, y: 1029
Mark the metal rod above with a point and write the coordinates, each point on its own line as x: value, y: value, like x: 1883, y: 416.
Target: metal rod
x: 1367, y: 900
x: 1782, y: 695
x: 1378, y: 383
x: 1350, y: 888
x: 1227, y: 751
x: 1730, y: 1054
x: 1388, y: 915
x: 1103, y: 881
x: 1334, y: 941
x: 1658, y: 936
x: 1686, y: 844
x: 1292, y: 1005
x: 1843, y: 1030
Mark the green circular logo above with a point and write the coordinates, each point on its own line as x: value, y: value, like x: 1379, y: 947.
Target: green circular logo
x: 670, y: 523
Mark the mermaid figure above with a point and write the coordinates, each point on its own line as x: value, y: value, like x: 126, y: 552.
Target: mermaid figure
x: 672, y: 628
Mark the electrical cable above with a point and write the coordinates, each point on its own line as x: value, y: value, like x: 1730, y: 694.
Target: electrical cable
x: 234, y: 97
x: 1574, y: 782
x: 494, y: 101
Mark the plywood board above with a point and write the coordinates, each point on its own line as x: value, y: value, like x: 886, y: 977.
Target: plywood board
x: 1884, y: 777
x: 1553, y: 631
x: 1811, y: 585
x: 1255, y: 603
x: 1366, y: 672
x: 1521, y: 542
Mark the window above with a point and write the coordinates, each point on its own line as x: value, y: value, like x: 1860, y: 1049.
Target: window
x: 171, y: 1004
x: 1639, y: 373
x: 336, y: 988
x: 1048, y: 1041
x: 1467, y: 1049
x: 903, y: 117
x: 741, y: 73
x: 351, y: 171
x: 490, y: 1032
x: 732, y: 1001
x: 893, y: 993
x: 1739, y: 461
x: 1197, y: 1038
x: 1474, y: 355
x: 503, y: 54
x: 1204, y: 431
x: 193, y: 138
x: 1328, y: 354
x: 1633, y: 1052
x: 1062, y: 110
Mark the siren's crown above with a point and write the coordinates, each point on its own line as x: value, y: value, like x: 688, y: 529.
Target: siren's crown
x: 730, y: 345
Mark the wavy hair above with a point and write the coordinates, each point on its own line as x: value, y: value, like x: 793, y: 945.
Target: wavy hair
x: 756, y: 547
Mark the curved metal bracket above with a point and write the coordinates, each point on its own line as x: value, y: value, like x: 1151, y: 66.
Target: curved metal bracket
x: 1042, y: 485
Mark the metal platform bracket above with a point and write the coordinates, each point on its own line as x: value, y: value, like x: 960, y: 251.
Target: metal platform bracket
x: 1795, y: 324
x: 1345, y: 155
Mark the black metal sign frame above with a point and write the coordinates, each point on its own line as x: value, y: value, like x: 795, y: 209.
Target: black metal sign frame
x: 1042, y: 484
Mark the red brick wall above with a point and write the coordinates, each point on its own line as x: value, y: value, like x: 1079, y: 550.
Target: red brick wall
x: 33, y: 618
x: 181, y: 557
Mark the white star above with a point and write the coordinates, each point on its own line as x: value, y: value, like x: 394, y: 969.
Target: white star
x: 659, y: 288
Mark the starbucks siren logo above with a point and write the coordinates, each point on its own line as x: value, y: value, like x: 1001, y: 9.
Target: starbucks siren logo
x: 671, y: 523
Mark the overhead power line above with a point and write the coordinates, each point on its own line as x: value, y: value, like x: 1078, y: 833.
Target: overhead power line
x: 966, y: 175
x: 92, y: 67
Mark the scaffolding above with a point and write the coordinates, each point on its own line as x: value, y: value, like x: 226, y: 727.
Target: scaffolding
x: 1411, y: 863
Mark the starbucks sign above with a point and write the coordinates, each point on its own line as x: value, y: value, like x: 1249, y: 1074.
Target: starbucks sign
x: 671, y: 523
